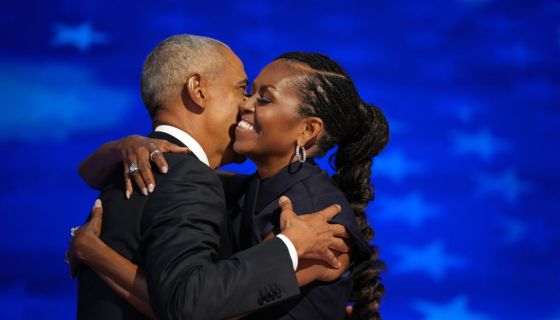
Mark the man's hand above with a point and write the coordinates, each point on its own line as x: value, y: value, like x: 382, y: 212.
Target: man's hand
x: 312, y: 235
x: 78, y: 247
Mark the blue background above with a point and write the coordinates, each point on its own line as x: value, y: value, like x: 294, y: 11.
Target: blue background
x: 466, y: 213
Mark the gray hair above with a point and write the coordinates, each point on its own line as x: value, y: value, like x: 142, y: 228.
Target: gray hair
x: 171, y: 61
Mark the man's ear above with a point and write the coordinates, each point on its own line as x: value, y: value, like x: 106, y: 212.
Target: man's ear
x: 312, y: 127
x: 194, y: 91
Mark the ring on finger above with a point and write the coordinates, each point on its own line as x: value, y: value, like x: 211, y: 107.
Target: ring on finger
x: 133, y: 167
x: 73, y: 230
x: 154, y: 154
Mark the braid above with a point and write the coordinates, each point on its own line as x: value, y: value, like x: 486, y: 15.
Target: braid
x: 361, y: 131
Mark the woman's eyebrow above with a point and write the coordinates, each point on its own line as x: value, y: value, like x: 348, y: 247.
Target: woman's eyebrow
x: 268, y: 86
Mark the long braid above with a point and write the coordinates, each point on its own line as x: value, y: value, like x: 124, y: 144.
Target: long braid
x: 361, y: 131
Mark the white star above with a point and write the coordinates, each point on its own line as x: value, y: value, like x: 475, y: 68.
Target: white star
x: 431, y: 260
x: 482, y: 144
x: 82, y: 36
x: 396, y: 165
x: 411, y: 209
x: 457, y: 309
x: 506, y: 184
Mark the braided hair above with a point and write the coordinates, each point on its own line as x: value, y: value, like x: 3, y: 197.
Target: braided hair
x: 361, y: 131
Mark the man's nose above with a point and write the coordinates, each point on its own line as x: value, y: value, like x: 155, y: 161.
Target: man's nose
x: 246, y: 105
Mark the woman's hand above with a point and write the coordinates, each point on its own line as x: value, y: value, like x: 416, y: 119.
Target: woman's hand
x: 118, y: 272
x: 84, y: 238
x: 141, y: 151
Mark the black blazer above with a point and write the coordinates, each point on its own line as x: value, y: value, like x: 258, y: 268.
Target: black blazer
x: 255, y: 213
x: 180, y: 236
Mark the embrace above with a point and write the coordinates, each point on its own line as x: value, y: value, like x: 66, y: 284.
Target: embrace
x: 186, y: 241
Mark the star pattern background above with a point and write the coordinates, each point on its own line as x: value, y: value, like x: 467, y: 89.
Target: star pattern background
x: 466, y: 213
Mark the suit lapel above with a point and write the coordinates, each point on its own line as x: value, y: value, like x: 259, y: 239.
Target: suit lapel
x: 272, y: 188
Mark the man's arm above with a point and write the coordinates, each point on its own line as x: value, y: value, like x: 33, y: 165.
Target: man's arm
x: 181, y: 228
x: 181, y: 231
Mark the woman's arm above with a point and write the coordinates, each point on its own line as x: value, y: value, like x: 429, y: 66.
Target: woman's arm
x: 312, y: 270
x: 98, y: 166
x: 118, y: 272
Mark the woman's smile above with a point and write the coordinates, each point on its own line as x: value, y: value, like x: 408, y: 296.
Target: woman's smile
x: 245, y: 125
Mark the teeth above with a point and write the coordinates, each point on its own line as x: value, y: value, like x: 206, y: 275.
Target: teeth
x: 246, y: 125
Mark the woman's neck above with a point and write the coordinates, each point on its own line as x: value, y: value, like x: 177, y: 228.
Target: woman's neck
x: 272, y: 165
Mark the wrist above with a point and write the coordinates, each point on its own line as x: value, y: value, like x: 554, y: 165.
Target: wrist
x: 116, y: 150
x: 294, y: 241
x: 86, y: 245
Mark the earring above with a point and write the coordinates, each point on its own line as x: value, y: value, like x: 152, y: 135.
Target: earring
x: 301, y: 156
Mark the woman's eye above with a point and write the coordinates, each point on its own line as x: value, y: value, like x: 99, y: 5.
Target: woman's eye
x: 263, y: 101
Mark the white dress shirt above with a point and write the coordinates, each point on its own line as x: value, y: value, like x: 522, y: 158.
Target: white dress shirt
x: 196, y: 148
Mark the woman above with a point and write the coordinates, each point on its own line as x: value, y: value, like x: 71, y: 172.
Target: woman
x: 301, y: 106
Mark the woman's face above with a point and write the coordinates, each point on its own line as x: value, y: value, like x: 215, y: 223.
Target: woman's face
x: 270, y: 124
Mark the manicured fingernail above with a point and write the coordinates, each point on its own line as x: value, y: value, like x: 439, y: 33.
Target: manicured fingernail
x: 145, y: 191
x: 127, y: 194
x: 164, y: 169
x: 97, y: 204
x: 282, y: 199
x: 151, y: 187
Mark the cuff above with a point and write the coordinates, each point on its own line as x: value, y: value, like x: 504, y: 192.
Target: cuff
x: 291, y: 249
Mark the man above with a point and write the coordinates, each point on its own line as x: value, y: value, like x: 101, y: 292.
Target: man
x: 192, y: 86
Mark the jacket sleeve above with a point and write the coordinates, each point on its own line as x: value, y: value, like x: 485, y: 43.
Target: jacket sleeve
x: 181, y: 227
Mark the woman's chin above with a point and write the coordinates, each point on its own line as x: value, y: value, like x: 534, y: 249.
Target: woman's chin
x: 239, y: 148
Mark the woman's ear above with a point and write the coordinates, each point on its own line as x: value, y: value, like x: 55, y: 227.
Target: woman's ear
x: 312, y: 127
x: 194, y: 92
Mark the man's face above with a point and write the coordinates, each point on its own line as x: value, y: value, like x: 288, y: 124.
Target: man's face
x: 227, y: 92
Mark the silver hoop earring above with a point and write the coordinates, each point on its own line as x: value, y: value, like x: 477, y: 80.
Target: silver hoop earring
x: 301, y: 156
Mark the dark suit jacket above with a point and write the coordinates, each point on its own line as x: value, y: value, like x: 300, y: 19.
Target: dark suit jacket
x: 180, y: 235
x: 255, y: 213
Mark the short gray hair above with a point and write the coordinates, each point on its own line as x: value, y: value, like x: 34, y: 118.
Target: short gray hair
x: 171, y: 61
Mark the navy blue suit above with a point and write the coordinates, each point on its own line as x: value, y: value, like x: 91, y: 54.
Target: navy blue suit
x: 180, y: 236
x: 253, y: 204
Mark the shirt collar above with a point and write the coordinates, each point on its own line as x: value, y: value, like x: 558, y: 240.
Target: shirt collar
x: 187, y: 140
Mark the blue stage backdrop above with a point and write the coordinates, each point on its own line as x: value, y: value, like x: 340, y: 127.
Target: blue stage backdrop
x: 466, y: 211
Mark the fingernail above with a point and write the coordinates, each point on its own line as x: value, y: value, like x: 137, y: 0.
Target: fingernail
x: 145, y: 191
x: 164, y: 169
x: 151, y: 187
x: 127, y: 194
x: 282, y: 199
x: 97, y: 204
